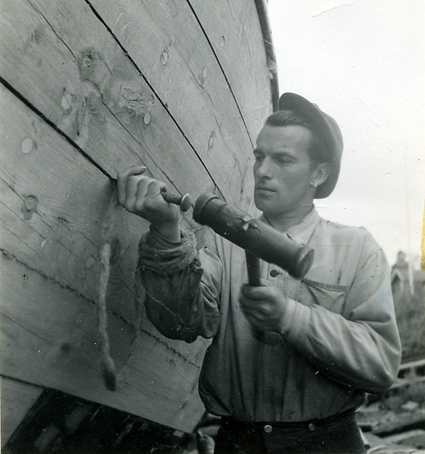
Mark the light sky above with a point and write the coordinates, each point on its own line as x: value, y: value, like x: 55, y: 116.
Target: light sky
x: 363, y: 62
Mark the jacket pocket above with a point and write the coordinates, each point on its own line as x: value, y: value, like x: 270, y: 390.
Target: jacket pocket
x: 329, y: 296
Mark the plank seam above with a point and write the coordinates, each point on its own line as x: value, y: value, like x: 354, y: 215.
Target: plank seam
x: 58, y: 238
x: 52, y: 28
x: 136, y: 139
x: 18, y: 238
x: 77, y: 358
x: 22, y: 381
x: 39, y: 337
x: 261, y: 6
x: 25, y: 101
x: 222, y: 70
x: 8, y: 256
x: 99, y: 17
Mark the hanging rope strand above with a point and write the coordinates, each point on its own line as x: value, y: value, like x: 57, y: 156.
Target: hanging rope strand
x: 108, y: 365
x: 107, y: 231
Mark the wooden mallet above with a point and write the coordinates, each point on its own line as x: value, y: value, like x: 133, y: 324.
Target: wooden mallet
x: 259, y: 240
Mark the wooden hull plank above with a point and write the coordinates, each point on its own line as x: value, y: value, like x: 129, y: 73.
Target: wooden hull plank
x: 167, y: 44
x: 89, y: 88
x: 95, y: 110
x: 61, y: 238
x: 48, y: 339
x: 234, y: 31
x: 16, y: 399
x: 100, y: 87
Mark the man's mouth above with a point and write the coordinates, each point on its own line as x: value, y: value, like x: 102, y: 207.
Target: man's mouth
x: 264, y: 189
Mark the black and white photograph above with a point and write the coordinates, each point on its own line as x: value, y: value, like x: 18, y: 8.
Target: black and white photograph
x: 212, y: 221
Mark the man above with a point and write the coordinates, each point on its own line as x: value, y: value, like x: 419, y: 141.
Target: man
x: 290, y: 360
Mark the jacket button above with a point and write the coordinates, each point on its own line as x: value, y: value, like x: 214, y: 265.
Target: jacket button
x: 268, y: 428
x: 311, y: 427
x: 272, y: 338
x: 274, y: 273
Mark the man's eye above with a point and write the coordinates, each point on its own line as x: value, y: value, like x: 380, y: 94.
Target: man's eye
x: 258, y: 158
x: 284, y: 160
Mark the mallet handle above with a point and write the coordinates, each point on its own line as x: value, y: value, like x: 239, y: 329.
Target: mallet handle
x: 253, y: 267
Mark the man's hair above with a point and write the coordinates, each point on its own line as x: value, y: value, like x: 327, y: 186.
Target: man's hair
x: 316, y: 150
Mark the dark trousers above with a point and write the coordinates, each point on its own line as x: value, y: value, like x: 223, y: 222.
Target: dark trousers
x: 338, y: 434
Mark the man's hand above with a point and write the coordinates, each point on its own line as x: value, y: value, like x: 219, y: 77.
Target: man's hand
x: 263, y: 305
x: 141, y: 195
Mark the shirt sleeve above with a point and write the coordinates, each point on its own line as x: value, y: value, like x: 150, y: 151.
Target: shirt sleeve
x: 359, y: 347
x: 179, y: 286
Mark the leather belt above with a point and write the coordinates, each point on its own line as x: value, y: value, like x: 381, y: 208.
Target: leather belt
x: 268, y: 426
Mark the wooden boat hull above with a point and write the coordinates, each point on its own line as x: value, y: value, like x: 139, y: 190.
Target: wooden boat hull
x: 90, y: 88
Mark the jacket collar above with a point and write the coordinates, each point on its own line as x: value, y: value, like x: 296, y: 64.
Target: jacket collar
x: 303, y: 231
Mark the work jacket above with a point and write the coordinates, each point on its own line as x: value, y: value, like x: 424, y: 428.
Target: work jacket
x: 337, y: 338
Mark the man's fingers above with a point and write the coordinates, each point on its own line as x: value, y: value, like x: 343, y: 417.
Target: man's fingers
x: 148, y: 191
x: 252, y: 312
x: 135, y: 184
x: 256, y: 297
x: 156, y: 187
x: 122, y: 181
x: 255, y: 315
x: 249, y: 304
x: 256, y: 292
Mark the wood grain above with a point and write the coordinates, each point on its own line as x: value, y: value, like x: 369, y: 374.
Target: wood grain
x: 234, y: 31
x: 67, y: 65
x: 180, y: 65
x: 48, y: 338
x: 61, y: 238
x: 16, y: 399
x: 58, y: 243
x: 90, y: 88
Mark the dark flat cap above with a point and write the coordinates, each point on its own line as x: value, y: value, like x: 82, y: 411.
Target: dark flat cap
x: 327, y: 132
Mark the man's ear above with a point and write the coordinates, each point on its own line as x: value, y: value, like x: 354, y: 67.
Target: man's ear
x: 321, y: 173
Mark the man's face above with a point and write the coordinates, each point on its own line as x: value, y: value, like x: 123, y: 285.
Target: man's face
x: 282, y: 170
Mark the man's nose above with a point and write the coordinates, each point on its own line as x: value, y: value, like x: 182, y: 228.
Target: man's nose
x: 264, y: 169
